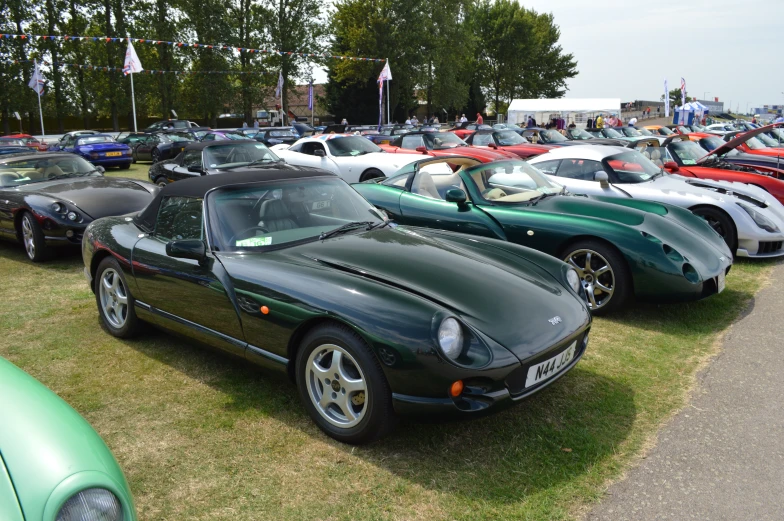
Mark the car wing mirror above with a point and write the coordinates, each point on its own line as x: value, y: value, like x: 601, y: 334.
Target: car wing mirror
x: 672, y: 166
x: 319, y: 153
x: 187, y: 249
x: 456, y: 195
x: 492, y: 145
x: 195, y: 169
x: 603, y: 178
x: 421, y: 149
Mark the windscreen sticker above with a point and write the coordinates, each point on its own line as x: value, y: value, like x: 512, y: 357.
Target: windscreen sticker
x: 689, y: 161
x: 260, y: 146
x: 255, y: 241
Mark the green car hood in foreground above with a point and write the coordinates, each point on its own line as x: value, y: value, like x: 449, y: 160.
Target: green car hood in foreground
x: 505, y: 291
x: 48, y: 452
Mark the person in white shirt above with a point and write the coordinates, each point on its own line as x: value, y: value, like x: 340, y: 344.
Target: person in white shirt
x: 408, y: 121
x: 632, y: 122
x: 463, y: 119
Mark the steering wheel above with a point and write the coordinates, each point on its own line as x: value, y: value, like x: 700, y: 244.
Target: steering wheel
x: 243, y: 232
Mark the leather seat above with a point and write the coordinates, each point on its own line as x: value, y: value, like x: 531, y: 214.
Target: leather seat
x: 424, y: 185
x: 275, y: 216
x: 51, y: 171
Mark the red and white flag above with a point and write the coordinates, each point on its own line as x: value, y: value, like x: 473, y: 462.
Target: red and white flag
x: 386, y: 73
x: 37, y: 81
x: 132, y: 63
x: 683, y: 92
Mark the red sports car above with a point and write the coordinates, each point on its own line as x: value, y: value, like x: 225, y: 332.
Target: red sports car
x: 30, y: 141
x: 439, y: 144
x: 508, y: 140
x: 466, y: 129
x: 685, y: 157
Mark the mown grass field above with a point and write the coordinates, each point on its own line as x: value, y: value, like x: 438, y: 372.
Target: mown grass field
x: 203, y: 436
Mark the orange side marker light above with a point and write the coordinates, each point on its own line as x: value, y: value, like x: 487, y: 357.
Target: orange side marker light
x: 264, y: 310
x: 456, y: 389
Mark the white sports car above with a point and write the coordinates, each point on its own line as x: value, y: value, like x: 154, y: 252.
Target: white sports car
x: 746, y: 216
x: 354, y: 158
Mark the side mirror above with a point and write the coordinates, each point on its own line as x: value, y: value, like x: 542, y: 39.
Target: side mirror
x: 423, y: 150
x: 187, y: 249
x: 493, y: 145
x: 672, y: 166
x: 100, y: 169
x: 319, y: 153
x: 455, y: 195
x: 603, y: 178
x: 194, y: 169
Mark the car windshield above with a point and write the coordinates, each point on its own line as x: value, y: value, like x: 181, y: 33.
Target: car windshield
x: 631, y: 167
x: 400, y: 131
x: 443, y: 140
x: 579, y: 134
x: 630, y: 132
x: 231, y: 155
x: 22, y: 172
x: 179, y: 138
x: 551, y: 136
x: 712, y: 143
x: 282, y: 133
x: 767, y: 140
x: 351, y: 146
x: 511, y: 182
x: 777, y: 134
x: 92, y: 140
x: 644, y: 131
x: 612, y: 133
x: 9, y: 141
x: 688, y: 152
x: 509, y: 137
x: 755, y: 144
x: 252, y: 217
x: 665, y: 131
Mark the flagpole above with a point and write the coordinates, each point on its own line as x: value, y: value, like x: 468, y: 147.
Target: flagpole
x: 133, y: 102
x: 388, y: 120
x: 40, y: 113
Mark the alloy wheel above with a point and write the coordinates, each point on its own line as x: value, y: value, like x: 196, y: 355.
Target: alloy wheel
x: 28, y: 236
x: 336, y: 386
x: 596, y: 275
x: 114, y: 298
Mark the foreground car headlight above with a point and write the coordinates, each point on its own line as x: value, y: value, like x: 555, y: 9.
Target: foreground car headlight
x: 92, y: 504
x: 574, y: 280
x: 59, y: 207
x: 760, y: 220
x: 450, y: 338
x: 73, y: 216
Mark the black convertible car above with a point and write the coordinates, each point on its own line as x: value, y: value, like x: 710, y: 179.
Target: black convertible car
x: 48, y: 199
x: 295, y: 271
x: 212, y: 157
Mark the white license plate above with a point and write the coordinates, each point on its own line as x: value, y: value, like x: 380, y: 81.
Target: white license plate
x: 551, y: 367
x: 721, y: 282
x: 319, y: 205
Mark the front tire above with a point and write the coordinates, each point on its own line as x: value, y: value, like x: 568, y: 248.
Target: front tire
x: 126, y: 166
x: 721, y: 224
x: 114, y: 300
x: 33, y: 239
x: 156, y: 156
x: 342, y: 386
x: 603, y: 273
x: 161, y: 181
x: 371, y: 173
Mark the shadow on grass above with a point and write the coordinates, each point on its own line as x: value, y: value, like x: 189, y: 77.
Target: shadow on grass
x: 549, y: 438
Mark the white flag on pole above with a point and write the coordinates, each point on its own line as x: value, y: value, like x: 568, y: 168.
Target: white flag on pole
x: 279, y: 88
x: 37, y: 81
x: 666, y: 100
x: 132, y: 63
x: 386, y: 73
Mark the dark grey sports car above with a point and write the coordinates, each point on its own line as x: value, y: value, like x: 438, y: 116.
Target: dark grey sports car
x: 47, y: 200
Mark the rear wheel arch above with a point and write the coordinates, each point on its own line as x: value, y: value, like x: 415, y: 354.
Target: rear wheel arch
x: 98, y: 256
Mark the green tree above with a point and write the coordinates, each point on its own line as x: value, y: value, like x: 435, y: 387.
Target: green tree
x: 675, y: 97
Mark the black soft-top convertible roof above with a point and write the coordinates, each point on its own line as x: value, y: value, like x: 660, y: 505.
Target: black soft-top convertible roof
x: 201, y: 145
x: 199, y: 186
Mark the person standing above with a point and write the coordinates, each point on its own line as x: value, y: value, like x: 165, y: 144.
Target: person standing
x: 463, y: 119
x: 599, y: 121
x: 435, y: 120
x: 632, y: 122
x: 479, y: 119
x: 529, y: 123
x: 344, y: 122
x: 408, y: 121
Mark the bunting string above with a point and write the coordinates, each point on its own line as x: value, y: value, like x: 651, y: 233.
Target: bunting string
x: 119, y: 69
x: 107, y: 39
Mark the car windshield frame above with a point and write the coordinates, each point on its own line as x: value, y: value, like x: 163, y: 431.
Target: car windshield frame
x: 446, y: 139
x: 357, y: 146
x: 208, y: 154
x: 363, y: 211
x: 17, y: 167
x: 648, y: 170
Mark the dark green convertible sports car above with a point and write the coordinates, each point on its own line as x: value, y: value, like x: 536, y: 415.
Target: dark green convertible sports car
x: 296, y: 271
x: 619, y: 247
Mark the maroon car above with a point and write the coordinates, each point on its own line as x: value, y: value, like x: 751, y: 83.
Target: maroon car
x: 438, y: 144
x: 507, y: 140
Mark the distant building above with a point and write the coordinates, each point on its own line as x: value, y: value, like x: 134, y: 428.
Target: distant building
x: 298, y: 103
x: 714, y: 107
x: 769, y: 109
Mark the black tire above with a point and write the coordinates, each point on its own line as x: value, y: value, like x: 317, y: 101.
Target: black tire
x: 126, y: 166
x: 161, y: 181
x: 375, y: 416
x: 33, y: 238
x: 156, y: 155
x: 130, y: 325
x: 721, y: 223
x: 371, y: 173
x: 617, y: 278
x: 133, y: 155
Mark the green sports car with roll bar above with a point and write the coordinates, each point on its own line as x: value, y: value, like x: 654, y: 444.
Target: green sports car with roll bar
x: 620, y: 247
x: 53, y: 465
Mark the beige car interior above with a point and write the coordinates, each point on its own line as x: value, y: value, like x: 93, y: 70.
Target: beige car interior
x: 12, y: 176
x: 434, y: 179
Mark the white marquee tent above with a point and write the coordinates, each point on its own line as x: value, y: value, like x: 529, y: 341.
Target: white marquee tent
x: 541, y: 109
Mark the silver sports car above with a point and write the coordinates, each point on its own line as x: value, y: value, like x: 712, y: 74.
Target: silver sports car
x: 747, y: 217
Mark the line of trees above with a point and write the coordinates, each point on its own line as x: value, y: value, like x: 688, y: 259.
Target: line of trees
x: 453, y: 55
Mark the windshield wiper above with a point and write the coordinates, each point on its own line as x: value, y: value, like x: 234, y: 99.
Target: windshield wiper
x: 345, y: 228
x: 540, y: 197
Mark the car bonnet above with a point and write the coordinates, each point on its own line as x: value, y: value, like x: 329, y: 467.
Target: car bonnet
x: 97, y: 196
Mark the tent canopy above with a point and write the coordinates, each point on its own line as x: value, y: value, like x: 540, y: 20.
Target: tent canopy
x: 532, y: 106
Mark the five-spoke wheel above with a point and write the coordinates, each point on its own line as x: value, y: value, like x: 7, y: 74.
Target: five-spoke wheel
x: 336, y: 385
x: 114, y: 299
x: 33, y: 239
x: 603, y: 273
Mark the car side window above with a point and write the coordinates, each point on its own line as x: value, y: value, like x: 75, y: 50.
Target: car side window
x: 581, y: 169
x: 548, y: 167
x: 310, y: 148
x: 192, y: 158
x: 295, y: 148
x: 412, y: 142
x: 179, y: 218
x: 482, y: 140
